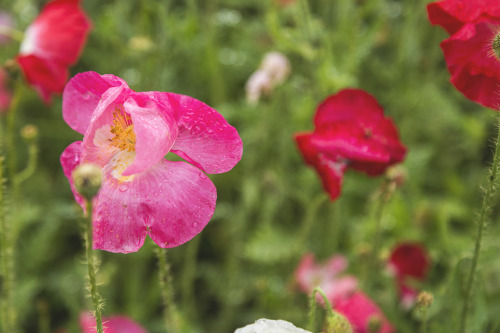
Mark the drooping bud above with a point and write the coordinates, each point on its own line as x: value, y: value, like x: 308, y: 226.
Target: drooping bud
x: 87, y: 178
x: 495, y: 45
x: 338, y: 324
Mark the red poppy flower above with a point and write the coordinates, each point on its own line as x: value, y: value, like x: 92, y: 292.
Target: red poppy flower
x: 472, y: 24
x: 350, y: 132
x: 408, y: 261
x: 51, y: 44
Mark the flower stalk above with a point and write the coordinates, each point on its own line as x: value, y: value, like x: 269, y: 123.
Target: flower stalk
x: 87, y: 179
x: 171, y: 315
x: 481, y: 225
x: 313, y: 304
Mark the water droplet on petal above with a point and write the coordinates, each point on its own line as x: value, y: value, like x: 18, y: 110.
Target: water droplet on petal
x: 195, y: 224
x: 123, y: 188
x: 203, y: 176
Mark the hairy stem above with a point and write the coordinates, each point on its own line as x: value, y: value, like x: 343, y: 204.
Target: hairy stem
x: 481, y: 225
x: 96, y: 299
x: 171, y: 316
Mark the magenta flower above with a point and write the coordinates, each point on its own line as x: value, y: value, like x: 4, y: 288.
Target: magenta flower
x: 351, y: 132
x: 114, y: 324
x: 359, y: 309
x: 408, y: 261
x: 128, y: 134
x: 327, y: 276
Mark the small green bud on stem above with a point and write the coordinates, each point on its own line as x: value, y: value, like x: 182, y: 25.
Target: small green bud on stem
x: 29, y: 132
x: 87, y: 178
x: 337, y: 324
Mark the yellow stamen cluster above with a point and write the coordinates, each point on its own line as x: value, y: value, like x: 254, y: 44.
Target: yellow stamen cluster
x: 123, y: 129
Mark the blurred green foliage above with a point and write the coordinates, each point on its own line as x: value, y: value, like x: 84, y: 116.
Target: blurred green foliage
x: 271, y: 208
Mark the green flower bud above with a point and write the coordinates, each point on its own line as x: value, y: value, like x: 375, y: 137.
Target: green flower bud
x: 29, y: 132
x: 87, y: 178
x: 374, y: 324
x: 337, y: 324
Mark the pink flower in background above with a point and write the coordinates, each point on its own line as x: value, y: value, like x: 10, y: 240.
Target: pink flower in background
x: 114, y: 324
x: 51, y: 44
x: 328, y: 276
x: 408, y: 261
x: 359, y: 309
x: 273, y: 70
x: 472, y: 24
x: 341, y: 290
x: 5, y: 93
x: 128, y: 134
x: 351, y: 132
x: 6, y: 23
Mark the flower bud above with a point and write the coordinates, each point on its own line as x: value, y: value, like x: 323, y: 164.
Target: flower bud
x: 374, y: 324
x: 87, y: 178
x: 338, y: 324
x: 424, y: 300
x: 29, y: 132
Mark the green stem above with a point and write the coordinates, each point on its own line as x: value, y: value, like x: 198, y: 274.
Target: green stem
x: 4, y: 255
x: 170, y: 313
x: 12, y: 33
x: 96, y: 299
x: 373, y: 259
x: 308, y: 221
x: 423, y: 328
x: 313, y: 304
x: 30, y: 166
x: 482, y: 222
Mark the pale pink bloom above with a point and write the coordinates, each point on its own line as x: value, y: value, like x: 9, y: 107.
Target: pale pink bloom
x: 273, y: 70
x: 271, y: 326
x: 328, y: 276
x: 359, y: 309
x: 114, y: 324
x: 128, y: 134
x: 6, y: 24
x: 277, y: 66
x: 258, y: 84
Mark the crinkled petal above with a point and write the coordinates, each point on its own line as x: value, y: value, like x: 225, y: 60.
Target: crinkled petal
x: 205, y: 138
x: 172, y: 202
x: 46, y: 76
x: 70, y: 159
x: 154, y: 130
x: 58, y: 33
x: 331, y: 169
x: 82, y: 96
x: 453, y: 14
x: 475, y: 72
x: 348, y: 105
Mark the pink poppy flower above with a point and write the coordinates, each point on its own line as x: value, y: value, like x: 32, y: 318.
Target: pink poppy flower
x: 327, y: 276
x: 408, y: 261
x: 359, y: 309
x: 472, y: 24
x: 351, y: 132
x: 128, y: 134
x: 51, y: 44
x: 114, y: 324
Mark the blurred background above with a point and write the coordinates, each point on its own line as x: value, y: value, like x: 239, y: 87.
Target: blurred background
x: 271, y: 207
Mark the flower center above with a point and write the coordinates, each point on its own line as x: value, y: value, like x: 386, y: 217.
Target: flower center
x: 123, y: 129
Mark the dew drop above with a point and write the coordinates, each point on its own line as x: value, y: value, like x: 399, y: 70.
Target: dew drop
x: 123, y: 188
x: 195, y: 224
x: 202, y: 176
